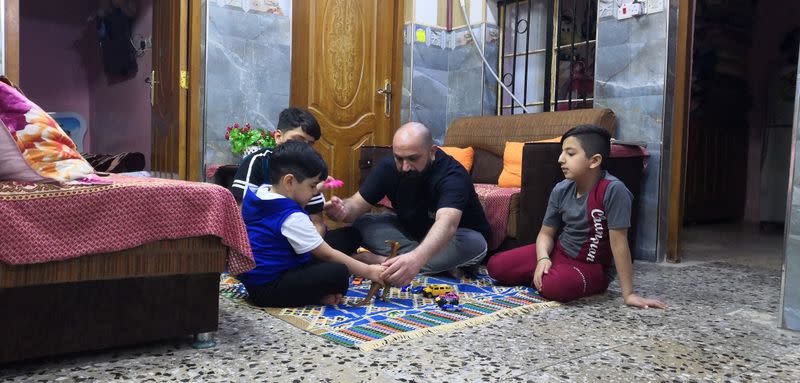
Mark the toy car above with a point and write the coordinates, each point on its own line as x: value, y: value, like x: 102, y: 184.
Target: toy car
x: 448, y: 302
x: 435, y: 290
x: 417, y: 289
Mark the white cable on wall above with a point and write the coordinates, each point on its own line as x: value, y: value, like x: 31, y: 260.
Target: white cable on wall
x: 475, y: 41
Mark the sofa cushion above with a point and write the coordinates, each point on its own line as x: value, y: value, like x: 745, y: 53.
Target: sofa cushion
x: 486, y: 167
x: 46, y: 148
x: 511, y: 177
x: 496, y: 203
x: 464, y: 156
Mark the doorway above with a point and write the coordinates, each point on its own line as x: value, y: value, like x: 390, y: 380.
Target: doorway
x: 744, y: 66
x: 347, y: 71
x: 70, y: 64
x: 110, y: 86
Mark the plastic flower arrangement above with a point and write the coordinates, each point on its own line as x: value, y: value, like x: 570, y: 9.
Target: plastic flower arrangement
x: 242, y: 138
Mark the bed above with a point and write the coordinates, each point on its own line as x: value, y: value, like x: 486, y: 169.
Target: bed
x: 115, y: 262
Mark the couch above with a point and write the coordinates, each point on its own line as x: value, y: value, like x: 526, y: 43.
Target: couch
x: 487, y: 135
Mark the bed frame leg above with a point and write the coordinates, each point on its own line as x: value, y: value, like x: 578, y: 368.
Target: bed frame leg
x: 204, y: 340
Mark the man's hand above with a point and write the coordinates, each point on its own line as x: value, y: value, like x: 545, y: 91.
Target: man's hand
x: 542, y: 267
x: 637, y: 301
x: 335, y: 209
x: 402, y: 270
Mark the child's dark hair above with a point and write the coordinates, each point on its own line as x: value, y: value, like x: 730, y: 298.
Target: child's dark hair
x: 296, y: 158
x: 593, y: 139
x: 293, y: 118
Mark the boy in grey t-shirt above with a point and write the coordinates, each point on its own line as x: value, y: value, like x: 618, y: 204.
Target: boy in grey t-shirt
x: 592, y: 209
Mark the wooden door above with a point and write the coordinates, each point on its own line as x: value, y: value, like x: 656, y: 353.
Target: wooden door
x: 343, y: 51
x: 175, y: 94
x: 11, y: 40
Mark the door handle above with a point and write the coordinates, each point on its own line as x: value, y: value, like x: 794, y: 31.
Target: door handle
x: 386, y: 91
x: 152, y: 82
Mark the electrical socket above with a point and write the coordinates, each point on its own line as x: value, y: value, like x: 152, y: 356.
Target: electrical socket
x: 624, y: 11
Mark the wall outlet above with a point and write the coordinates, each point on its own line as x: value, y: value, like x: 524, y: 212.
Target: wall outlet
x: 653, y: 6
x: 624, y: 11
x: 628, y: 9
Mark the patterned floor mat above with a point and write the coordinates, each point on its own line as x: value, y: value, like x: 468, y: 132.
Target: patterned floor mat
x: 406, y: 315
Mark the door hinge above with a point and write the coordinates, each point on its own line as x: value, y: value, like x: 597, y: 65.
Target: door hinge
x: 184, y: 79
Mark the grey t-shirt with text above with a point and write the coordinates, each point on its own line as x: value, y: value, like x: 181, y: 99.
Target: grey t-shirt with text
x: 567, y: 212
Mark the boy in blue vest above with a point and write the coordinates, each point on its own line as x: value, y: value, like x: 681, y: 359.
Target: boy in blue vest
x: 294, y: 265
x: 592, y: 211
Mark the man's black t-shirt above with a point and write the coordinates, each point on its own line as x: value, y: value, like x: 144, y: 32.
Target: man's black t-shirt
x: 445, y: 184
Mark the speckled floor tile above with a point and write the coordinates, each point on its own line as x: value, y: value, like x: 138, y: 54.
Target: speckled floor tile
x: 782, y: 369
x: 720, y: 326
x: 661, y: 359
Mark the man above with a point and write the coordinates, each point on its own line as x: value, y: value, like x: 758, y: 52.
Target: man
x: 293, y: 124
x: 439, y: 221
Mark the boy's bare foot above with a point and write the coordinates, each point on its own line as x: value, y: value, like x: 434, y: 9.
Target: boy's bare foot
x: 369, y: 258
x: 332, y: 299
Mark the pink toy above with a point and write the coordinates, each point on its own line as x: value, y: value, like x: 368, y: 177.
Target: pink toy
x: 333, y: 183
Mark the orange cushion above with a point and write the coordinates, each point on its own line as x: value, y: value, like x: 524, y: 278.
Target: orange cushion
x: 511, y: 176
x: 464, y: 156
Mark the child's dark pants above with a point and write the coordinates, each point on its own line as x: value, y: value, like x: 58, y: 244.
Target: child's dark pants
x: 568, y: 279
x: 305, y: 285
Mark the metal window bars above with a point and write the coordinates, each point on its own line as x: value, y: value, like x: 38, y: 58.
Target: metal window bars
x: 569, y: 53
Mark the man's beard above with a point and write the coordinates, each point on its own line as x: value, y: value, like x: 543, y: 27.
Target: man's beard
x: 412, y: 179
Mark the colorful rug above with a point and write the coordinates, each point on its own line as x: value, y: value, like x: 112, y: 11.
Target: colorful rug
x: 405, y: 316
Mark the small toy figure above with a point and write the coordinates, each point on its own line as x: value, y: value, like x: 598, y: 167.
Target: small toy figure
x: 373, y: 289
x: 436, y: 289
x: 448, y: 302
x: 358, y: 281
x: 333, y: 183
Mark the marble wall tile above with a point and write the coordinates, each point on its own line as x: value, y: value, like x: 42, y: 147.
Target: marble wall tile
x: 642, y: 118
x: 444, y: 77
x: 491, y: 50
x: 405, y: 101
x: 241, y: 49
x: 630, y: 77
x: 429, y: 100
x: 791, y: 268
x: 465, y: 78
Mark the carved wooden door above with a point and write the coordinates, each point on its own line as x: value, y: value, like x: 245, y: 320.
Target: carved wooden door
x: 346, y: 57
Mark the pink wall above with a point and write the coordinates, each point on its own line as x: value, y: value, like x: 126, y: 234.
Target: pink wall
x: 62, y: 70
x: 54, y: 40
x: 771, y: 24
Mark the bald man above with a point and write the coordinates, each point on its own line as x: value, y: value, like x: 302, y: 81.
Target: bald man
x: 437, y: 217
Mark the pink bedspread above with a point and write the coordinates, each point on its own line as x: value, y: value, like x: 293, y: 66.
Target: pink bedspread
x: 43, y: 223
x: 496, y: 202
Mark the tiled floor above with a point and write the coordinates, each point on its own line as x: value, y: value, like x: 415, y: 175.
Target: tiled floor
x: 720, y: 326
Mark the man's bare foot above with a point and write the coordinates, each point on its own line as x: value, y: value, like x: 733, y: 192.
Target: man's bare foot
x: 369, y: 258
x: 332, y: 299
